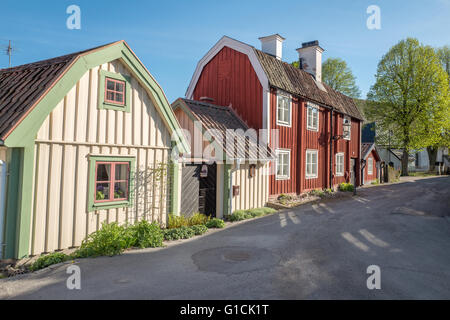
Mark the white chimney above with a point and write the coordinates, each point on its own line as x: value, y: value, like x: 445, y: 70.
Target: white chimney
x: 310, y: 59
x: 273, y: 45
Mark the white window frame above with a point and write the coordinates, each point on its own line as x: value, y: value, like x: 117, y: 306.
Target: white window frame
x: 311, y: 175
x: 284, y: 152
x: 283, y: 122
x: 309, y: 125
x: 340, y: 173
x: 370, y: 168
x: 346, y: 118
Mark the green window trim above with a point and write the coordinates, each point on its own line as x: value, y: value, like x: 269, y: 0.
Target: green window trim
x: 92, y: 206
x: 102, y: 104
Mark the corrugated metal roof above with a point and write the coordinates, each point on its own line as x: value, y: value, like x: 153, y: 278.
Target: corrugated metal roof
x: 299, y: 82
x: 220, y: 121
x: 21, y: 87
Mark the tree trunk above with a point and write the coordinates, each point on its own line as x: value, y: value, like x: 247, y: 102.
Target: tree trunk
x: 432, y: 155
x: 405, y: 158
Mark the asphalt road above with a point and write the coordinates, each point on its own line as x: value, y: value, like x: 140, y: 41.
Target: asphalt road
x: 319, y: 251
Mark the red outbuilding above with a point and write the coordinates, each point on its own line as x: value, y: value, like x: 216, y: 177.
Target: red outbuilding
x: 371, y: 161
x: 318, y: 140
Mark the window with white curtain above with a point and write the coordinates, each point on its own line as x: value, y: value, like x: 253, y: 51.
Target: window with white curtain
x: 311, y: 163
x: 283, y: 164
x: 283, y: 110
x: 340, y: 164
x: 370, y: 166
x: 312, y: 117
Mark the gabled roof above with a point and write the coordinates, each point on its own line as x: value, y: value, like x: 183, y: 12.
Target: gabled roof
x: 367, y: 148
x: 299, y: 82
x: 22, y: 86
x: 219, y: 121
x: 28, y: 93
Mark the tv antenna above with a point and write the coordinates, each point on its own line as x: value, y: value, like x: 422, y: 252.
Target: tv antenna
x: 9, y: 51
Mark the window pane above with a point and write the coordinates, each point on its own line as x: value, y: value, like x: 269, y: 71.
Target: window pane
x: 102, y: 192
x: 110, y: 85
x: 286, y: 115
x: 103, y: 172
x: 121, y: 172
x: 110, y: 96
x: 280, y: 114
x: 120, y: 190
x: 119, y: 97
x: 119, y: 86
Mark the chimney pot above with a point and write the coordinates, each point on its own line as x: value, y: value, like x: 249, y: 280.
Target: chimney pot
x: 273, y: 45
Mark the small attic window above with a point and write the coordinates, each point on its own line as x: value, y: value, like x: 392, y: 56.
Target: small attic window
x: 115, y: 91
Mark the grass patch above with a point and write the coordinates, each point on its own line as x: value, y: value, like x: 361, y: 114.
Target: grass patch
x: 240, y: 215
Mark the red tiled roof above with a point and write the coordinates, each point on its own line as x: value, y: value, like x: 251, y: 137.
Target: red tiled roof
x: 23, y: 86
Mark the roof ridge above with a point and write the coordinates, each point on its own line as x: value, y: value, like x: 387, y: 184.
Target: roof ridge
x: 54, y: 60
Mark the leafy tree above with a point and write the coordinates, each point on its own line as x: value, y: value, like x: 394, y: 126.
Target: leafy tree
x: 443, y: 130
x: 338, y: 76
x: 410, y: 97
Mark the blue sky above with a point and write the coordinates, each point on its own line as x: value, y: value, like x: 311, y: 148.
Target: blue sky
x: 171, y: 36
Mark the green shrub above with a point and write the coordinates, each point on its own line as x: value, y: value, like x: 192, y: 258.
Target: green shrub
x: 239, y: 215
x: 177, y: 221
x: 346, y: 187
x: 199, y: 229
x: 178, y: 233
x: 318, y: 193
x: 110, y: 240
x: 256, y: 212
x: 376, y: 182
x: 215, y: 223
x: 268, y: 210
x: 48, y: 260
x: 146, y: 235
x: 197, y: 219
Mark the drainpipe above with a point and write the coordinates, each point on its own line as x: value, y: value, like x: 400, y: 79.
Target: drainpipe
x: 3, y: 174
x: 331, y: 148
x: 230, y: 201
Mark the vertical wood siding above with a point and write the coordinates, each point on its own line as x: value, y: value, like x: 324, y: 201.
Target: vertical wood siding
x: 253, y: 190
x: 229, y: 78
x: 288, y: 138
x: 75, y: 129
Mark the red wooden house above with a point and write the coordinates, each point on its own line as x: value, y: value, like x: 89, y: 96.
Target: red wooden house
x: 372, y: 161
x: 313, y: 150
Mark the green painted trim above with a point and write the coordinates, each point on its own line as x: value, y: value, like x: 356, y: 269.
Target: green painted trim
x: 92, y: 206
x: 27, y: 129
x: 12, y: 201
x: 19, y: 203
x: 226, y: 188
x: 101, y: 92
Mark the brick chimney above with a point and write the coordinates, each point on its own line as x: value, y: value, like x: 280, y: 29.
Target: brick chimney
x: 310, y: 58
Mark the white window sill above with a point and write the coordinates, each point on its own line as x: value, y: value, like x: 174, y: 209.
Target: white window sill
x: 311, y: 177
x: 284, y: 124
x: 282, y: 178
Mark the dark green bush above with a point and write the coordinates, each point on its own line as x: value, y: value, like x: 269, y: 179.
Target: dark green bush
x: 146, y: 235
x: 215, y: 223
x: 48, y: 260
x: 199, y: 229
x: 178, y: 233
x: 347, y: 187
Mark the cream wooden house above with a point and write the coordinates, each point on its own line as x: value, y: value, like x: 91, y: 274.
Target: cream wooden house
x: 85, y: 139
